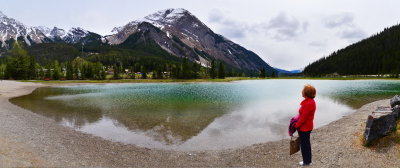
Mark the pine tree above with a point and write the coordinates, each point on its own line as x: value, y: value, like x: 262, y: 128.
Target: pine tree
x: 116, y: 72
x: 89, y: 70
x: 11, y: 68
x: 83, y: 72
x: 103, y: 74
x: 56, y: 71
x: 70, y: 71
x: 133, y: 74
x: 213, y: 71
x: 195, y: 72
x: 273, y: 74
x: 143, y: 71
x: 40, y: 72
x: 185, y: 69
x: 144, y: 75
x: 47, y: 74
x: 221, y: 71
x: 2, y: 71
x: 18, y: 63
x: 98, y: 71
x: 176, y: 71
x: 32, y: 68
x: 262, y: 73
x: 121, y: 70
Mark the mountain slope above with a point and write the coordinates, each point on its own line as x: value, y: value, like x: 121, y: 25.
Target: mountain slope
x: 148, y: 34
x: 171, y: 32
x: 11, y: 29
x: 378, y: 54
x: 181, y: 24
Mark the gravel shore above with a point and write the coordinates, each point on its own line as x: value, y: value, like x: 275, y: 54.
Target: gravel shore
x: 31, y: 140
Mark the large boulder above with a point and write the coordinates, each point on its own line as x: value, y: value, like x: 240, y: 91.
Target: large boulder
x: 380, y: 123
x: 396, y: 111
x: 395, y: 101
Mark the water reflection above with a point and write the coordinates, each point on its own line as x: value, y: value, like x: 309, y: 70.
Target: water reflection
x: 198, y: 115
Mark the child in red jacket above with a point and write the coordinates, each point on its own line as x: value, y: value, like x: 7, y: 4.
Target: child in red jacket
x: 305, y: 123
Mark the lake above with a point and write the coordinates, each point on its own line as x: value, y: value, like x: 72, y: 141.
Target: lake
x: 198, y: 116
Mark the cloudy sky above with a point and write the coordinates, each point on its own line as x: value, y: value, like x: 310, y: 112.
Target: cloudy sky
x: 287, y: 34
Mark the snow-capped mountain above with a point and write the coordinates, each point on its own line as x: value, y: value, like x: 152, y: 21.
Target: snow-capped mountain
x: 52, y: 33
x: 75, y: 35
x: 13, y: 29
x: 181, y: 24
x: 159, y: 19
x: 175, y: 31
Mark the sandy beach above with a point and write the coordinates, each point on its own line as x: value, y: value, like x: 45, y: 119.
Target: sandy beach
x: 31, y: 140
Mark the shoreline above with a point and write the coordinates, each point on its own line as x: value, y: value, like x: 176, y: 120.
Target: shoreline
x: 228, y: 79
x: 29, y: 139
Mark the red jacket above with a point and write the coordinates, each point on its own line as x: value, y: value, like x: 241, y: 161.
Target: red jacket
x: 306, y: 113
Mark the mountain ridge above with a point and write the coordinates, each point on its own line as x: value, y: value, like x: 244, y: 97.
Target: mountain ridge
x: 179, y: 33
x: 376, y: 55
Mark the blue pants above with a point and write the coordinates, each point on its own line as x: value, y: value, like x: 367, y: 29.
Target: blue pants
x: 305, y: 146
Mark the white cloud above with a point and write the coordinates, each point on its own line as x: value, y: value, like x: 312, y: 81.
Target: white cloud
x: 344, y: 24
x: 353, y: 35
x: 281, y: 27
x: 338, y: 20
x: 284, y: 27
x: 286, y: 34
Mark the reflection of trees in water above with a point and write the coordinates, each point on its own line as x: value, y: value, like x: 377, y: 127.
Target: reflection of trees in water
x: 360, y: 93
x: 172, y: 123
x: 56, y: 109
x: 358, y: 100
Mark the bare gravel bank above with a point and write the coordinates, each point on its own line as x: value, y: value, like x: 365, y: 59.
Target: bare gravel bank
x: 29, y: 139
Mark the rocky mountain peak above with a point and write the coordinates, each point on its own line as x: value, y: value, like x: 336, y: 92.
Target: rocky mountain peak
x: 12, y: 29
x: 2, y: 15
x: 180, y: 27
x: 53, y: 33
x: 45, y: 30
x: 176, y: 31
x: 163, y: 19
x: 75, y: 34
x: 4, y: 20
x: 78, y: 31
x: 57, y: 32
x: 158, y: 19
x: 168, y: 16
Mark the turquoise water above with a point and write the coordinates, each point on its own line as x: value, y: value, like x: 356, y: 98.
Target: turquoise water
x: 198, y: 116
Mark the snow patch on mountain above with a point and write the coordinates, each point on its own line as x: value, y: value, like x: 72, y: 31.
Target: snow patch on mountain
x: 167, y: 16
x: 52, y: 33
x: 13, y: 29
x: 75, y: 34
x: 45, y: 30
x: 2, y: 15
x: 161, y: 19
x: 168, y: 34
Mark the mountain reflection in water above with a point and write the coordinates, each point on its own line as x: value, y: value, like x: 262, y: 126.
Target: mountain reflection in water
x: 198, y: 116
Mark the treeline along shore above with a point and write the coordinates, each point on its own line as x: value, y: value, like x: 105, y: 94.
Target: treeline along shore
x: 19, y: 64
x: 376, y: 55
